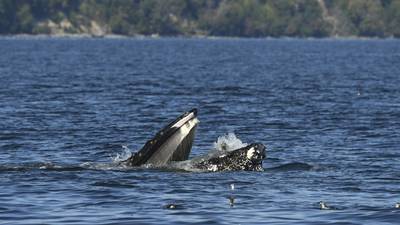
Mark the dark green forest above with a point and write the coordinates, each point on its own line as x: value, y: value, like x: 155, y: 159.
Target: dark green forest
x: 244, y: 18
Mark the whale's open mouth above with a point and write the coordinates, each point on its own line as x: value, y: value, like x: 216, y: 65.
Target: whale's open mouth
x: 172, y: 143
x: 171, y: 147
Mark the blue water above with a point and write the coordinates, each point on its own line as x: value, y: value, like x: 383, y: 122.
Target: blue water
x: 327, y: 110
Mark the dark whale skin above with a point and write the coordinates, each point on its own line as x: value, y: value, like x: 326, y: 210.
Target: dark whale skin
x: 248, y: 158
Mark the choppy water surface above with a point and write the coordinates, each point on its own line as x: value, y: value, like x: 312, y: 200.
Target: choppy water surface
x: 327, y: 110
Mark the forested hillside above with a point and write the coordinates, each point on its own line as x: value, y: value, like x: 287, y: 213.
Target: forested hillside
x: 245, y: 18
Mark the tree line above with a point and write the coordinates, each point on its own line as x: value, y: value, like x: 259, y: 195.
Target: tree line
x: 244, y: 18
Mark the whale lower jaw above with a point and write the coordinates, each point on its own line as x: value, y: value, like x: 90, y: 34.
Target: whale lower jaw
x: 177, y: 147
x: 172, y: 143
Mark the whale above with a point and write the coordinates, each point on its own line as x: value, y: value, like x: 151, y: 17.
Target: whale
x: 171, y: 146
x: 248, y: 158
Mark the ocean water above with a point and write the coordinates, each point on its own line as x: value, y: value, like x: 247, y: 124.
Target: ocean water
x: 327, y: 110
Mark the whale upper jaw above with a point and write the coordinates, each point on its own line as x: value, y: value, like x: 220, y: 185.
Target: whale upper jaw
x: 248, y: 158
x: 173, y: 143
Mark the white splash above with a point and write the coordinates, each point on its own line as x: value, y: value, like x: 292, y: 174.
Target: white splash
x: 228, y: 142
x: 122, y: 156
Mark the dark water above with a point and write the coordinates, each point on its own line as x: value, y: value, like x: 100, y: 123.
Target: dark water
x: 327, y: 110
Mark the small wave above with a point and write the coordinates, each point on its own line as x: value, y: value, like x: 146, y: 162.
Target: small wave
x: 49, y: 166
x: 292, y: 166
x: 228, y: 142
x: 114, y: 184
x: 351, y: 189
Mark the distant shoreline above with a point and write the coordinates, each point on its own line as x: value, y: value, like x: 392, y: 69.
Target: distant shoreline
x: 155, y: 37
x: 314, y: 19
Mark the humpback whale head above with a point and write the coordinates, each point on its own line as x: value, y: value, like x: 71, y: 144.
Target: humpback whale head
x: 247, y: 158
x: 172, y: 143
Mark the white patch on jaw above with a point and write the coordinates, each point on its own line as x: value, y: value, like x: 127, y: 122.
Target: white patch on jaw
x: 213, y: 168
x: 250, y: 153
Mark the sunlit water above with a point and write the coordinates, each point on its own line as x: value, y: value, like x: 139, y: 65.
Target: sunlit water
x: 327, y: 110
